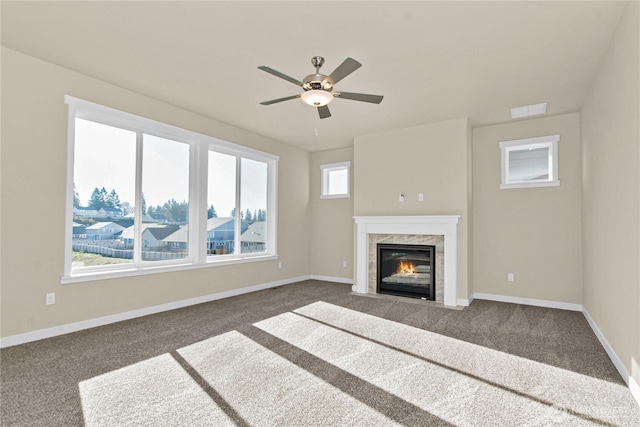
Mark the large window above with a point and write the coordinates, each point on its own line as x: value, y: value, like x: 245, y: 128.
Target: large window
x: 145, y: 196
x: 531, y: 162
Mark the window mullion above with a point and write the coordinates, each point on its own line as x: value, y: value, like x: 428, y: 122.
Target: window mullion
x: 137, y: 221
x: 238, y: 222
x: 198, y: 202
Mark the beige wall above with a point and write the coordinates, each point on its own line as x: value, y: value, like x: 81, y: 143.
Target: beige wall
x: 332, y: 225
x: 430, y: 159
x: 534, y: 233
x: 611, y: 201
x: 34, y: 149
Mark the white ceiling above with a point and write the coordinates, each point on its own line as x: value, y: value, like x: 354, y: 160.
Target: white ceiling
x: 432, y: 61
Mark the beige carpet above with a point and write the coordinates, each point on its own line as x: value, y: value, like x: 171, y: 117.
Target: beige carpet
x: 231, y: 379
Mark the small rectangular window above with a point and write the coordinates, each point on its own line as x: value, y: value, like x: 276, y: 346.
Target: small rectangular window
x: 335, y: 180
x: 531, y: 162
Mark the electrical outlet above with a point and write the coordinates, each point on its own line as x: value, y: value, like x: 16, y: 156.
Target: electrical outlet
x: 510, y: 277
x: 51, y: 298
x: 421, y: 197
x: 279, y: 264
x: 344, y: 263
x: 401, y: 198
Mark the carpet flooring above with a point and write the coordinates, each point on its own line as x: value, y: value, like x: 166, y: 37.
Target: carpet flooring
x: 313, y: 353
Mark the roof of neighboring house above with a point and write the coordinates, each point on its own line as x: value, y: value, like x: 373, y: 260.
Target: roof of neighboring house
x: 255, y: 233
x: 179, y: 236
x: 84, y: 208
x: 154, y: 228
x: 215, y: 223
x: 111, y: 210
x: 103, y: 224
x: 159, y: 233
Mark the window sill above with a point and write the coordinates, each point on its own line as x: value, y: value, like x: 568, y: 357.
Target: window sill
x: 555, y: 183
x: 158, y: 269
x: 336, y: 196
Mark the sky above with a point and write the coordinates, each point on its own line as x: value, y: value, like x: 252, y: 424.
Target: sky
x: 104, y: 156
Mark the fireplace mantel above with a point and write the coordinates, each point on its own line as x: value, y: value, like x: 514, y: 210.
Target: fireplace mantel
x: 443, y: 225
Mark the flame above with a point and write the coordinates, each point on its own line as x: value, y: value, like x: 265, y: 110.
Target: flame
x: 406, y: 268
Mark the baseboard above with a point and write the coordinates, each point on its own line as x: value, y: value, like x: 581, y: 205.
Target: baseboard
x: 607, y: 347
x: 622, y: 370
x: 348, y: 281
x: 105, y: 320
x: 528, y: 301
x: 464, y: 302
x: 635, y: 389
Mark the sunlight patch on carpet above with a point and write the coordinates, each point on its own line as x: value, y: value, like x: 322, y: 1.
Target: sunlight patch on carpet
x: 155, y: 392
x: 454, y: 380
x: 266, y: 389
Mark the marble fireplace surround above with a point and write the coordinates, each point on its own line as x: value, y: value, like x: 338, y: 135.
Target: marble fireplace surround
x: 429, y: 225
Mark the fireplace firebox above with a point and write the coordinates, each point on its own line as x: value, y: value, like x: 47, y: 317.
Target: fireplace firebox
x: 407, y: 270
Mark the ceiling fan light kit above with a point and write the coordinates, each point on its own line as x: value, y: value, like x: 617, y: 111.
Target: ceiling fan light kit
x: 318, y: 88
x: 317, y: 97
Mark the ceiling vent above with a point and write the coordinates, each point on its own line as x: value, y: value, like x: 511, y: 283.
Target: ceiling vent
x: 528, y: 110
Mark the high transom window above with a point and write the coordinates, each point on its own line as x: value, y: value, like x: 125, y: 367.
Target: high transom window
x: 531, y: 162
x: 146, y: 196
x: 335, y: 180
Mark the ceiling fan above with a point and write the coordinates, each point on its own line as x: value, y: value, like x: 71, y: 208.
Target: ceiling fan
x: 319, y: 89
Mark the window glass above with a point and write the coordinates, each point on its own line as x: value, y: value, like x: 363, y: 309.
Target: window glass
x: 221, y: 204
x: 531, y: 162
x: 338, y: 181
x: 253, y: 202
x: 335, y: 180
x: 165, y: 188
x: 104, y: 194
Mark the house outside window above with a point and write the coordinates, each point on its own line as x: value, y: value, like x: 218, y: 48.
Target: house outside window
x: 531, y: 162
x: 335, y: 180
x: 148, y: 194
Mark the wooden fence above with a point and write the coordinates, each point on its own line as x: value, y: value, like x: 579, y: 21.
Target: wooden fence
x: 128, y: 253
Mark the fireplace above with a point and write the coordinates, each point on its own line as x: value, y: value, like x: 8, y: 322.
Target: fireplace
x: 371, y: 230
x: 406, y: 270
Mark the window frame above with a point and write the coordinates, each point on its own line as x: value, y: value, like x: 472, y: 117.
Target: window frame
x: 325, y: 171
x: 507, y: 147
x: 200, y: 145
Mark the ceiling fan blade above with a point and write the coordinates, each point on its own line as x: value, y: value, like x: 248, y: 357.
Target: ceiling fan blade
x: 286, y: 98
x: 279, y: 74
x: 347, y: 67
x: 324, y: 112
x: 374, y: 99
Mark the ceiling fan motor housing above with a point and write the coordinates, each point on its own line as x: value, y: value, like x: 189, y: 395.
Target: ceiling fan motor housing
x: 314, y: 82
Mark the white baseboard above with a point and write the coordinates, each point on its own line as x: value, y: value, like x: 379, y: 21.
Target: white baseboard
x: 105, y: 320
x: 528, y: 301
x: 622, y: 370
x: 607, y: 347
x: 635, y: 389
x: 464, y: 302
x: 348, y: 281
